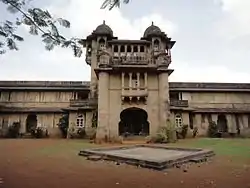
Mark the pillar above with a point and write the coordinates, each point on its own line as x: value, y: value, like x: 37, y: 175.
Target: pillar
x: 231, y: 123
x: 103, y: 106
x: 214, y: 117
x: 146, y: 80
x: 93, y: 81
x: 130, y: 81
x: 163, y: 98
x: 138, y: 80
x: 123, y: 79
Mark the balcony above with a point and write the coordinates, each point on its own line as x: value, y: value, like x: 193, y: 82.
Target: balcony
x: 179, y: 103
x: 134, y: 92
x: 86, y: 103
x: 131, y: 59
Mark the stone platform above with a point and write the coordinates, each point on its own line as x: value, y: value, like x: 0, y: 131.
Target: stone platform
x: 149, y: 156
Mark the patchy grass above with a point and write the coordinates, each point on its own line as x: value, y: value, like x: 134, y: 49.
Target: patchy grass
x: 232, y: 148
x: 65, y: 147
x: 55, y: 163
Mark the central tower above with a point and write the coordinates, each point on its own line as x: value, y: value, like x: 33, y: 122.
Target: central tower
x: 129, y: 78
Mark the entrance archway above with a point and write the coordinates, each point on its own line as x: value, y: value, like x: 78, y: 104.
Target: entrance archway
x: 222, y: 123
x: 133, y: 121
x: 31, y: 122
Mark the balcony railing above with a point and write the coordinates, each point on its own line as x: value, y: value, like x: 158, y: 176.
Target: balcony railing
x: 86, y: 103
x: 131, y: 59
x: 179, y: 103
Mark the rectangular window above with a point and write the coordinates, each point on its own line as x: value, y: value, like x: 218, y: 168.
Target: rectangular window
x: 80, y: 121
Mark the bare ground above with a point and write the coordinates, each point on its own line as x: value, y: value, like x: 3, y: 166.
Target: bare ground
x: 55, y: 163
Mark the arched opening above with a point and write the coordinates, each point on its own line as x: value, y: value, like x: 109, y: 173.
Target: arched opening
x: 102, y: 44
x: 31, y: 122
x: 222, y: 123
x: 156, y: 44
x: 135, y: 48
x: 133, y: 122
x: 116, y: 48
x: 122, y: 48
x: 141, y: 48
x: 129, y: 49
x: 89, y: 50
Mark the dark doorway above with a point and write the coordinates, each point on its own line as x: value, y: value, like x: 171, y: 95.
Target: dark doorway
x: 31, y: 122
x: 222, y: 123
x: 134, y: 122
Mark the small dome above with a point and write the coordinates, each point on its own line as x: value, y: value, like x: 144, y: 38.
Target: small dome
x: 103, y: 29
x: 152, y: 30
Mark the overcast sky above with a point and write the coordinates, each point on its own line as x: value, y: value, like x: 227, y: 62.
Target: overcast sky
x: 213, y: 38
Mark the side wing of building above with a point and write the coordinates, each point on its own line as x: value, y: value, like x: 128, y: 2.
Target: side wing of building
x: 197, y: 104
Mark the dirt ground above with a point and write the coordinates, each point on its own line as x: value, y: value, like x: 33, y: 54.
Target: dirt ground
x: 55, y: 163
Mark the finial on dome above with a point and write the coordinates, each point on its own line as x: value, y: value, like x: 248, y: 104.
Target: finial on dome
x: 104, y: 22
x: 152, y: 23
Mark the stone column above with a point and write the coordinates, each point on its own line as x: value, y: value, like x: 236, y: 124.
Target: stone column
x: 130, y: 81
x: 214, y: 117
x: 103, y: 106
x: 94, y: 64
x: 123, y: 79
x: 138, y: 80
x: 146, y: 80
x: 231, y: 123
x: 163, y: 98
x: 245, y: 121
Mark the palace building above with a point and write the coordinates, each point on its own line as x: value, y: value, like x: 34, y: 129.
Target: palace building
x: 129, y: 92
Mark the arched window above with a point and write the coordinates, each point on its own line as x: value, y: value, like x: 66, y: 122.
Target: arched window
x: 122, y: 48
x: 156, y: 45
x: 115, y: 48
x: 89, y: 49
x: 129, y: 49
x: 102, y: 44
x: 142, y: 49
x: 178, y: 120
x: 80, y: 121
x: 135, y: 48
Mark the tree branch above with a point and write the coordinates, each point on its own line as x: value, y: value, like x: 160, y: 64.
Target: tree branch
x: 24, y: 14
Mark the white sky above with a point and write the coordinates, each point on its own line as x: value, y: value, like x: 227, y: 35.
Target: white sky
x: 215, y: 52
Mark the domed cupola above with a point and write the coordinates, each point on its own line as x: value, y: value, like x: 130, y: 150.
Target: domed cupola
x: 152, y: 31
x: 103, y: 29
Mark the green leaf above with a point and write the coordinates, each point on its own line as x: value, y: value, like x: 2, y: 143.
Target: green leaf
x: 66, y: 44
x: 48, y: 39
x: 47, y: 14
x: 3, y: 34
x: 1, y: 44
x: 27, y: 21
x: 11, y: 44
x: 49, y: 46
x: 77, y: 51
x: 113, y: 3
x: 63, y: 22
x: 33, y: 30
x: 17, y: 37
x: 54, y: 29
